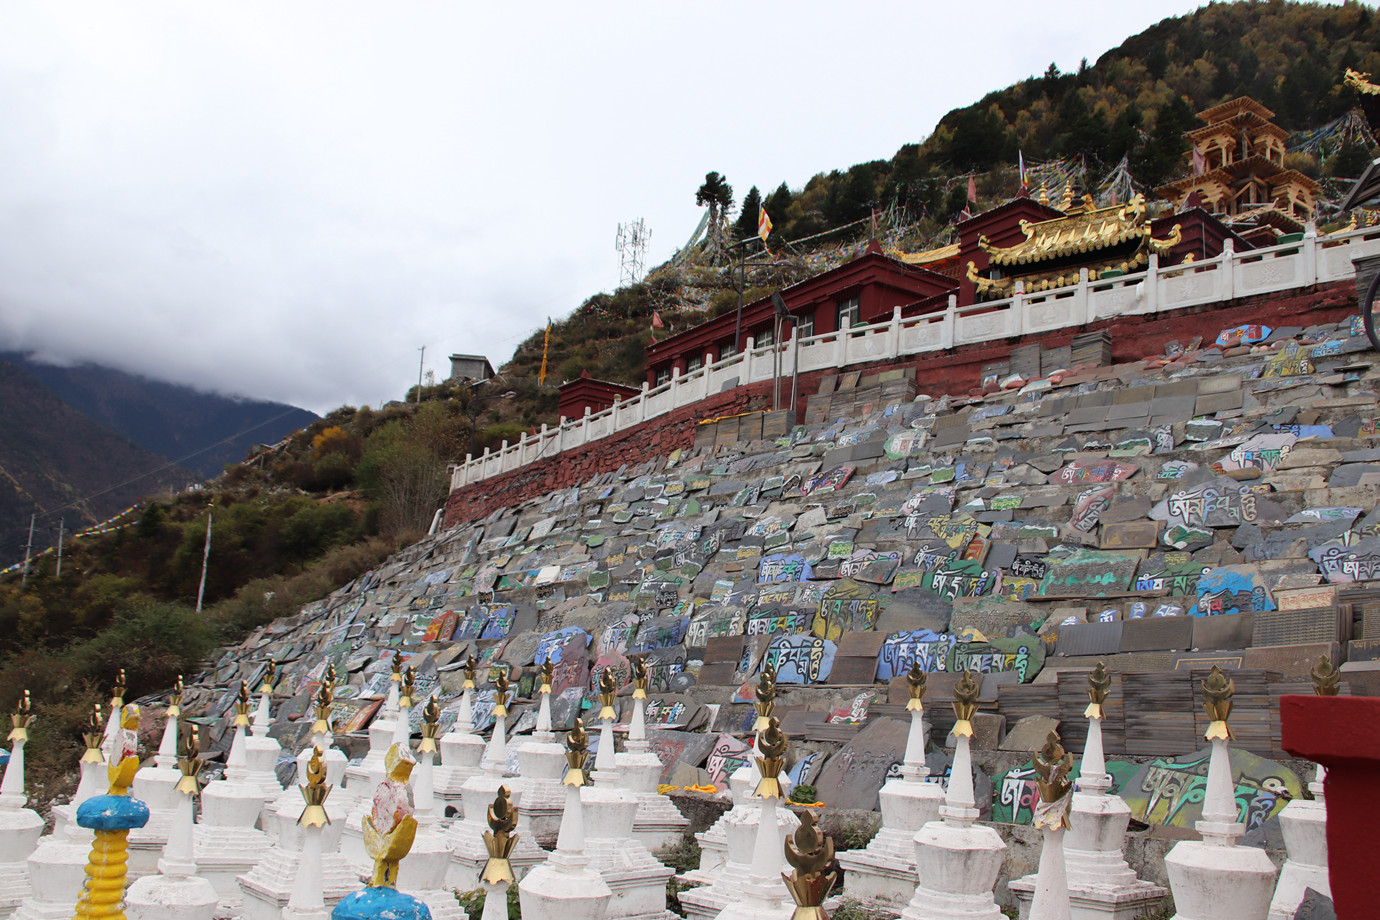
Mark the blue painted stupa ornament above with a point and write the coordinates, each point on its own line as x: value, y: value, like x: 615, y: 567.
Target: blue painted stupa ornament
x: 112, y: 816
x: 389, y: 829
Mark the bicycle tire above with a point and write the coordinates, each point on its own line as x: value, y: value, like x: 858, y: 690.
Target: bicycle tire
x: 1367, y: 306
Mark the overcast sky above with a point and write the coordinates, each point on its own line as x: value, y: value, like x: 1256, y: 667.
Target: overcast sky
x: 287, y: 200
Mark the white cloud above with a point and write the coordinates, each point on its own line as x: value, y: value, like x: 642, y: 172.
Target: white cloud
x: 287, y: 200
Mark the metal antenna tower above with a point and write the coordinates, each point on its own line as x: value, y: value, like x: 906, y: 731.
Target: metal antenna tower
x: 632, y: 251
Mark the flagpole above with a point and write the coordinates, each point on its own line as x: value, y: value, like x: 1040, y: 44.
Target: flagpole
x: 546, y: 344
x: 205, y: 558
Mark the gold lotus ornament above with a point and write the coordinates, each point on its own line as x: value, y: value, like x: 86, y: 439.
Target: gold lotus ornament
x: 639, y: 676
x: 242, y: 704
x: 94, y: 735
x: 314, y: 793
x: 325, y: 699
x: 499, y: 839
x: 471, y: 666
x: 576, y: 754
x: 396, y: 676
x: 548, y: 671
x: 766, y: 697
x: 20, y: 719
x: 409, y: 687
x: 965, y: 705
x: 117, y: 693
x: 1099, y: 682
x: 814, y: 869
x: 270, y: 675
x: 1217, y: 693
x: 772, y: 744
x: 175, y: 699
x: 1052, y: 765
x: 1326, y: 678
x: 915, y: 686
x: 501, y: 693
x: 431, y: 727
x: 189, y: 761
x: 608, y: 691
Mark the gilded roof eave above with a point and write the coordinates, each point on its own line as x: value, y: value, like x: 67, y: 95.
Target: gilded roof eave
x: 1076, y: 234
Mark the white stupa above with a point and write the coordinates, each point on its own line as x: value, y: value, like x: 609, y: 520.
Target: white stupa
x: 658, y: 823
x: 261, y: 751
x: 226, y: 843
x: 461, y: 748
x: 541, y: 764
x: 368, y: 773
x: 156, y: 787
x: 424, y: 876
x: 885, y: 869
x: 20, y: 826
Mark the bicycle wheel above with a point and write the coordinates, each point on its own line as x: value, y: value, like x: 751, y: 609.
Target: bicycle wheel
x: 1368, y: 307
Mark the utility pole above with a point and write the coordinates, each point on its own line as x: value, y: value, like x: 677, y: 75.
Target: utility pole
x: 28, y: 551
x: 205, y: 558
x: 62, y: 523
x: 420, y: 364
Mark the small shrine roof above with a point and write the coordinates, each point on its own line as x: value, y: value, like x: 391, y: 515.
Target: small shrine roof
x: 1074, y: 234
x: 1234, y: 107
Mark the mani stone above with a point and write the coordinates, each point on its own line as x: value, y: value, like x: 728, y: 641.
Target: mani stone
x: 853, y: 776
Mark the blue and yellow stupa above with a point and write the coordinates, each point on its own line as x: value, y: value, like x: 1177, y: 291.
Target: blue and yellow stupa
x: 112, y: 816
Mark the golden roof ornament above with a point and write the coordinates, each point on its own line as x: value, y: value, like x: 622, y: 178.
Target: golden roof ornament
x: 639, y: 676
x: 1217, y: 693
x: 501, y: 693
x: 390, y: 827
x: 1360, y: 82
x: 431, y: 727
x: 117, y: 693
x: 315, y: 793
x: 189, y: 761
x: 915, y: 686
x: 409, y: 687
x: 1067, y: 204
x: 94, y: 736
x: 766, y: 697
x: 548, y: 671
x: 1326, y: 678
x: 608, y: 692
x: 1044, y: 194
x: 814, y: 872
x: 325, y: 699
x: 1099, y: 682
x: 471, y: 666
x: 270, y: 675
x: 576, y: 753
x: 499, y: 840
x: 242, y: 705
x: 23, y: 715
x: 772, y: 744
x: 1052, y: 766
x: 965, y: 705
x: 175, y: 699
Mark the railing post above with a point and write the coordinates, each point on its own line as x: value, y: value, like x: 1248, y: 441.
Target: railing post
x: 745, y: 372
x: 1018, y: 308
x: 840, y: 347
x: 1082, y: 300
x: 1310, y: 253
x: 560, y: 435
x: 1152, y: 283
x: 894, y: 334
x: 584, y: 427
x: 946, y: 334
x: 642, y: 413
x: 1228, y: 286
x: 469, y: 459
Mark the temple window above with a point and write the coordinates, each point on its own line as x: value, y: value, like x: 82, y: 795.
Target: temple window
x: 848, y: 312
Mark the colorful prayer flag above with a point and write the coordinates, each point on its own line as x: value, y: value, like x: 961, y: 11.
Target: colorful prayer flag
x: 1020, y: 165
x: 763, y: 223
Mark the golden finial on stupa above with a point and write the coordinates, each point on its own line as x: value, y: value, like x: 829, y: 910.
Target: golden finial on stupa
x: 397, y: 667
x: 576, y: 753
x: 175, y: 699
x: 325, y: 700
x: 1099, y: 682
x: 499, y: 839
x: 501, y: 693
x: 608, y: 692
x: 189, y: 761
x: 94, y: 736
x: 431, y: 727
x: 772, y: 744
x: 548, y: 671
x: 915, y: 686
x: 766, y: 697
x: 315, y: 793
x: 242, y: 704
x: 1052, y: 765
x: 117, y: 693
x: 329, y: 677
x: 409, y: 687
x: 23, y: 715
x: 270, y: 675
x: 965, y: 705
x: 639, y: 677
x: 1326, y: 678
x: 471, y: 666
x: 814, y: 870
x: 1217, y: 693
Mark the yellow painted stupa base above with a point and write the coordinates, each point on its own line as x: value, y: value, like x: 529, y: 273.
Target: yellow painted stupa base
x: 103, y: 895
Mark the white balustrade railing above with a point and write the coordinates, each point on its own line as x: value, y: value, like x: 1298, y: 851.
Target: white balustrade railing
x: 1228, y: 276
